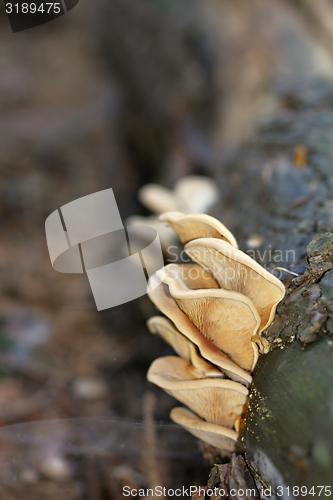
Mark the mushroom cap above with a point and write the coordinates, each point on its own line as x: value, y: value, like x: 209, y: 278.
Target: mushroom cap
x: 235, y: 270
x: 160, y: 296
x: 215, y: 435
x: 218, y: 401
x: 165, y: 233
x: 181, y: 345
x: 227, y: 319
x: 195, y: 193
x: 192, y: 226
x: 196, y: 276
x: 157, y: 198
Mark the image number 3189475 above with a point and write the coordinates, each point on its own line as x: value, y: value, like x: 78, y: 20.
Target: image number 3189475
x: 25, y: 15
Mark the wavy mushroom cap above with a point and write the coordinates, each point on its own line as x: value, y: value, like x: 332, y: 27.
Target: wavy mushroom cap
x: 165, y: 233
x: 234, y: 270
x: 216, y: 400
x: 195, y: 193
x: 227, y: 319
x: 192, y: 193
x: 160, y: 296
x: 192, y: 226
x: 157, y: 198
x: 181, y: 345
x: 215, y: 435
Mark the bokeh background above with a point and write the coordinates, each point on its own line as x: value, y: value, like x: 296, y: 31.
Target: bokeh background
x: 118, y: 94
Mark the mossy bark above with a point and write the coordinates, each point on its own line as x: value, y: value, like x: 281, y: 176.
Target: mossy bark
x: 287, y: 201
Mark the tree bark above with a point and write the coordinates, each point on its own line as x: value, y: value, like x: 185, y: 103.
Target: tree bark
x: 278, y: 192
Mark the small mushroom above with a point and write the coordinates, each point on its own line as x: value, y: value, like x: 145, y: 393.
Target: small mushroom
x: 235, y: 270
x: 166, y: 235
x: 196, y: 193
x: 181, y: 345
x: 192, y: 226
x: 215, y: 435
x: 157, y: 198
x: 218, y: 401
x: 160, y: 296
x: 227, y: 319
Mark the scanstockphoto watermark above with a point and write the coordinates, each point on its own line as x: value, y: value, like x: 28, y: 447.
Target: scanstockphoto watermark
x: 280, y: 491
x: 188, y: 492
x: 26, y: 14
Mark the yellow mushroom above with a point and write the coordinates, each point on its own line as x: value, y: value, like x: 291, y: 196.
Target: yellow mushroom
x: 157, y: 198
x: 192, y: 226
x: 215, y: 435
x: 234, y: 270
x: 218, y: 401
x: 160, y: 296
x: 193, y: 193
x: 219, y: 304
x: 227, y: 319
x: 181, y: 345
x: 196, y: 277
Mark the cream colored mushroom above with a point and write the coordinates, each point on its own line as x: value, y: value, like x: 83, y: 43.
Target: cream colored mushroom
x: 227, y: 319
x: 234, y: 270
x: 195, y: 193
x: 165, y: 233
x: 192, y: 226
x: 196, y: 276
x: 157, y: 198
x: 181, y: 345
x: 160, y: 296
x: 218, y: 401
x: 215, y: 435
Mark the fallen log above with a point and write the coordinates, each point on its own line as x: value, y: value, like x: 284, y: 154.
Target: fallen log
x: 277, y: 198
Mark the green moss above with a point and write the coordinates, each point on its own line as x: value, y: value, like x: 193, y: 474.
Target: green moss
x: 290, y: 418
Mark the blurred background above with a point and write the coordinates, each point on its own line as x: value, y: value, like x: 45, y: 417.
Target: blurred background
x: 118, y: 94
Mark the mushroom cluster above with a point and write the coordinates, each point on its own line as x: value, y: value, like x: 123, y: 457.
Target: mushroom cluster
x: 191, y: 194
x: 215, y: 309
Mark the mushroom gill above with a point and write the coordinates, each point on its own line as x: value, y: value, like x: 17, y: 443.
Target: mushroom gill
x: 227, y: 319
x: 234, y: 270
x: 181, y: 345
x: 218, y: 401
x: 215, y: 435
x: 160, y: 296
x: 218, y: 304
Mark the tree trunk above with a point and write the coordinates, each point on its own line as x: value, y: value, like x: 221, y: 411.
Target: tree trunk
x: 278, y: 197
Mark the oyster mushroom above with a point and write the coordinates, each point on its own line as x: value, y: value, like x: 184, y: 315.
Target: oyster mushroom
x: 234, y: 270
x: 218, y: 401
x: 227, y: 319
x: 157, y: 198
x: 194, y: 193
x: 181, y: 345
x: 196, y: 276
x: 160, y: 296
x: 215, y: 435
x: 192, y: 226
x: 165, y: 233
